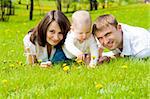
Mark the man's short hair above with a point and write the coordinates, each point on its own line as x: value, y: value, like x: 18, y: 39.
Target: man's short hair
x: 104, y: 21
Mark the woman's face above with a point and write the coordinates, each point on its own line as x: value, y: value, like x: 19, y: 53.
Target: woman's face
x: 54, y: 34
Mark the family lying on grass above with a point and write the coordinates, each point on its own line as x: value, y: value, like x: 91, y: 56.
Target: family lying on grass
x: 54, y: 39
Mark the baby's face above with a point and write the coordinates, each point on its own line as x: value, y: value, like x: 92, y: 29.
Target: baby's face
x: 82, y: 32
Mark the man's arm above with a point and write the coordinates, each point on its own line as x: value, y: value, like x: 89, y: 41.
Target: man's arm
x: 143, y: 54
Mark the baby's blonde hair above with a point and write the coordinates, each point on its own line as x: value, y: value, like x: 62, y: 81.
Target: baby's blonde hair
x: 81, y: 17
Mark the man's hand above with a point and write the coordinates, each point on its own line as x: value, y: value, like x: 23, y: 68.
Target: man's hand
x: 103, y: 59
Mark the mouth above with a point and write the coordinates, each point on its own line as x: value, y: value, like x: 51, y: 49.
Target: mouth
x: 53, y: 42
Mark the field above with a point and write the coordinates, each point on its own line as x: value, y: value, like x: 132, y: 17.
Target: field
x: 121, y: 78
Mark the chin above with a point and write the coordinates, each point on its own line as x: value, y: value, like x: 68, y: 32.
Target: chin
x: 52, y: 43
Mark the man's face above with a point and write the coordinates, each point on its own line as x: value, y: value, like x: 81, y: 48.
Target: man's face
x: 110, y: 37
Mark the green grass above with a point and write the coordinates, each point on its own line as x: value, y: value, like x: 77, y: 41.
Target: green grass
x: 121, y: 78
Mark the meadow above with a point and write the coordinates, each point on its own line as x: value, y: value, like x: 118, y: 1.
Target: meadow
x: 125, y: 78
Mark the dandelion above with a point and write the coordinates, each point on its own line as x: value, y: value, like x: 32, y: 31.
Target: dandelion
x: 66, y: 68
x: 93, y: 57
x: 79, y: 61
x: 99, y: 86
x: 64, y: 65
x: 124, y: 67
x: 20, y: 63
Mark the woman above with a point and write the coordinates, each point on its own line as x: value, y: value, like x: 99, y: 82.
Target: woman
x: 44, y: 42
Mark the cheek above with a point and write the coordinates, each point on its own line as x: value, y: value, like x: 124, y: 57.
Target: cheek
x: 78, y: 35
x: 49, y: 35
x: 61, y: 37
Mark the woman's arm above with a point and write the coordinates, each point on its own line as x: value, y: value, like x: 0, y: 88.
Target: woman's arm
x: 29, y: 50
x: 30, y: 58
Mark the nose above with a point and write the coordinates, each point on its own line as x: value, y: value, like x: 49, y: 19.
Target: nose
x: 84, y: 36
x: 104, y: 41
x: 56, y: 37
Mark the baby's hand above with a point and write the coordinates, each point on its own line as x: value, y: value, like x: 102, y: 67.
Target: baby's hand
x: 81, y: 57
x: 46, y: 64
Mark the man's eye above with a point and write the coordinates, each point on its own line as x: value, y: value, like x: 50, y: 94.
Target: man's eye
x: 100, y: 38
x: 108, y: 34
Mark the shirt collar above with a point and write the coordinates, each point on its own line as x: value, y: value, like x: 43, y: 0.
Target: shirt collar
x: 126, y: 40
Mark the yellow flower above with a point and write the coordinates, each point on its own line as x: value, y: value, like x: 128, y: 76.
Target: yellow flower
x: 66, y: 68
x: 64, y: 65
x: 20, y: 63
x: 93, y: 57
x: 4, y: 81
x: 124, y: 66
x: 99, y: 86
x: 79, y: 61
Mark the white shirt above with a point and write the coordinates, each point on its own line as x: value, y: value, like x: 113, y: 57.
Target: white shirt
x: 136, y: 42
x: 72, y: 47
x: 39, y: 51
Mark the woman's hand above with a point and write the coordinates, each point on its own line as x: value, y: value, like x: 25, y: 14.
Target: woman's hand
x: 46, y: 64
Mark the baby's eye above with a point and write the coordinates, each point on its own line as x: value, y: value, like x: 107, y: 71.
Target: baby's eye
x: 87, y: 32
x: 80, y: 33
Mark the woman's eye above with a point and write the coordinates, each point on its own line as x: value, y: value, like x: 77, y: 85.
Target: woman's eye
x: 60, y: 33
x: 51, y: 31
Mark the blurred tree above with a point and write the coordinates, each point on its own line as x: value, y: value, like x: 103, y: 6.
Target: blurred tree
x: 104, y: 4
x: 19, y: 1
x: 93, y: 4
x: 31, y: 9
x: 58, y: 2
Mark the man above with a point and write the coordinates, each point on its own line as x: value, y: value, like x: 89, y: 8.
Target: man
x: 122, y: 39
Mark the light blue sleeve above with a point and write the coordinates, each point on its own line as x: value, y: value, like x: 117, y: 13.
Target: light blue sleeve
x: 143, y: 54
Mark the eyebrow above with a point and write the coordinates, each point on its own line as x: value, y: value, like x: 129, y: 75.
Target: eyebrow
x: 107, y: 33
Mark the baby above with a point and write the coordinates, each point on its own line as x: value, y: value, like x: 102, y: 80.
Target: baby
x: 80, y: 40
